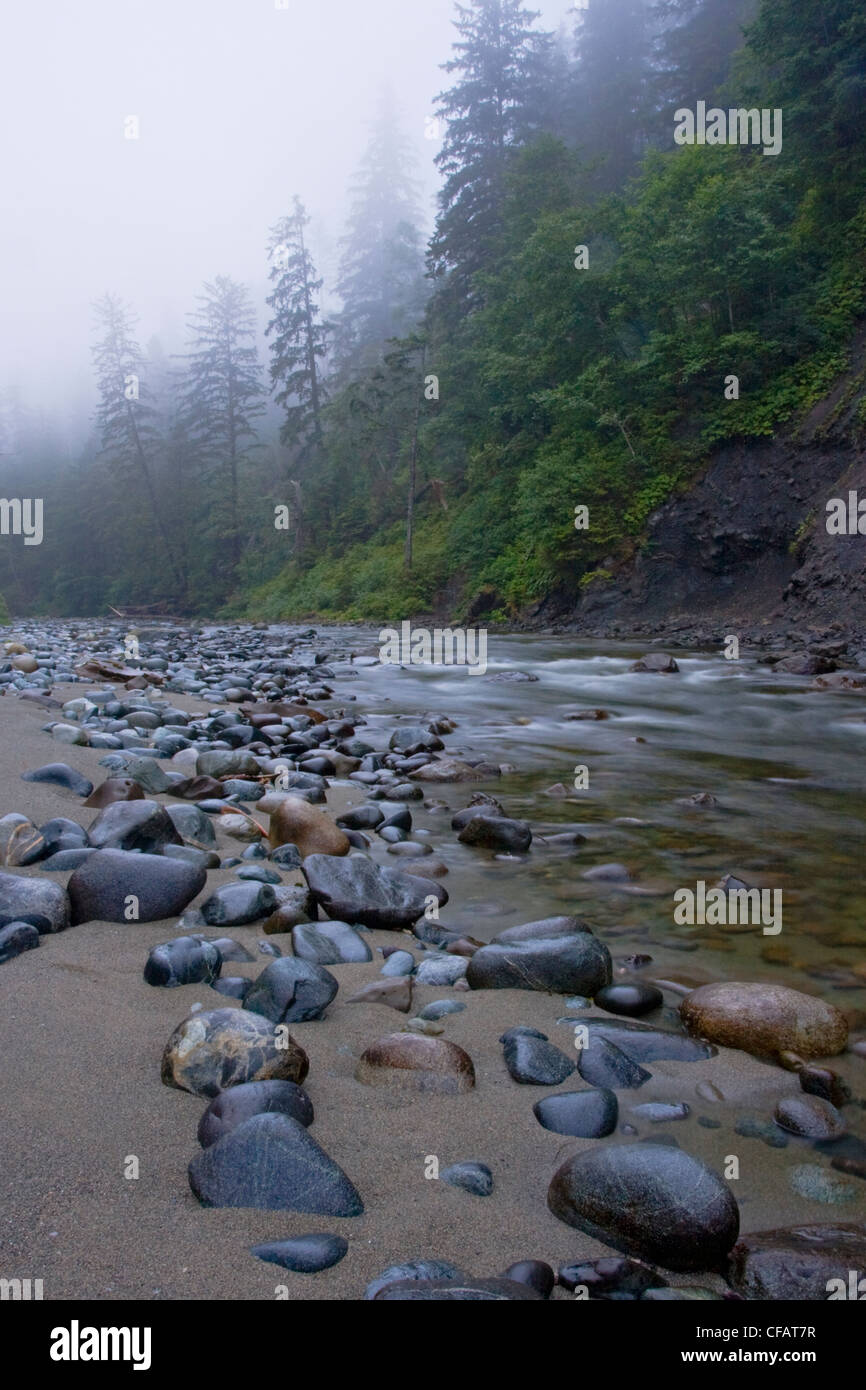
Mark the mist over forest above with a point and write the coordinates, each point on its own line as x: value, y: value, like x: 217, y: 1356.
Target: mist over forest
x: 345, y: 314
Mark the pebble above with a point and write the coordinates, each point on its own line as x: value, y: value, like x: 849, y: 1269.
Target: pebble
x: 15, y: 938
x: 536, y: 1062
x: 182, y: 961
x: 237, y: 904
x: 44, y: 906
x: 290, y: 990
x: 631, y: 1000
x: 796, y: 1264
x: 295, y: 822
x: 817, y: 1184
x: 409, y: 1062
x: 558, y: 965
x: 472, y: 1177
x: 232, y: 1107
x: 427, y: 1026
x: 440, y: 1007
x: 535, y: 1273
x: 585, y: 1114
x: 821, y: 1081
x: 658, y: 1112
x: 329, y: 943
x: 810, y: 1116
x: 397, y: 994
x: 612, y: 1278
x: 399, y: 963
x: 441, y: 970
x: 355, y: 890
x: 61, y: 775
x: 414, y: 1270
x: 601, y: 1063
x: 304, y: 1254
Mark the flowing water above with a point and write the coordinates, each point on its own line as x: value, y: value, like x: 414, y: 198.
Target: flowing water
x: 782, y: 760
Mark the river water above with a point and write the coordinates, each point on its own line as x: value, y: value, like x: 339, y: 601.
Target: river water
x: 782, y: 760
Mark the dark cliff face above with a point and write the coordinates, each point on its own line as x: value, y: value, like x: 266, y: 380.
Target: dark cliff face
x: 746, y: 548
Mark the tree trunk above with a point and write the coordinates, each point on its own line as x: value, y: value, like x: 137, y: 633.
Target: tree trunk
x: 413, y: 469
x: 160, y: 524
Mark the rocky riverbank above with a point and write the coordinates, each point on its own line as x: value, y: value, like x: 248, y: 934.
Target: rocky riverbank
x: 262, y: 1050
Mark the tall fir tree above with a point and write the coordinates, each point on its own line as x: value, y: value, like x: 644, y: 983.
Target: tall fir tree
x: 299, y: 337
x: 223, y: 395
x: 381, y: 277
x: 694, y: 41
x: 611, y: 104
x: 491, y: 108
x: 127, y: 420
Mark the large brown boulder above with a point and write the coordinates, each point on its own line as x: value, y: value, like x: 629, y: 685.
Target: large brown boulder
x: 765, y: 1020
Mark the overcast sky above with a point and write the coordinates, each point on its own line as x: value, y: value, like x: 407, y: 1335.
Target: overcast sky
x: 240, y: 105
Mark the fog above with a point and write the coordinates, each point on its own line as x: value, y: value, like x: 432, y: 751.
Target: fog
x: 239, y: 104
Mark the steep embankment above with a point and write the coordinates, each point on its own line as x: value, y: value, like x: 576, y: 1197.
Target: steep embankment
x: 746, y: 548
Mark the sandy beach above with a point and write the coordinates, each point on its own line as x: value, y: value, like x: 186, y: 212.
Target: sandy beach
x: 83, y: 1034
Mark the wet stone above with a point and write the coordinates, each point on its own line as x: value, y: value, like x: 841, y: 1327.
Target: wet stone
x: 632, y: 1000
x: 291, y: 990
x: 472, y: 1177
x: 534, y: 1062
x: 271, y: 1162
x: 601, y: 1063
x: 652, y: 1201
x: 231, y: 1108
x: 212, y: 1050
x: 304, y: 1254
x: 810, y: 1116
x: 15, y: 938
x: 584, y: 1114
x: 182, y: 961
